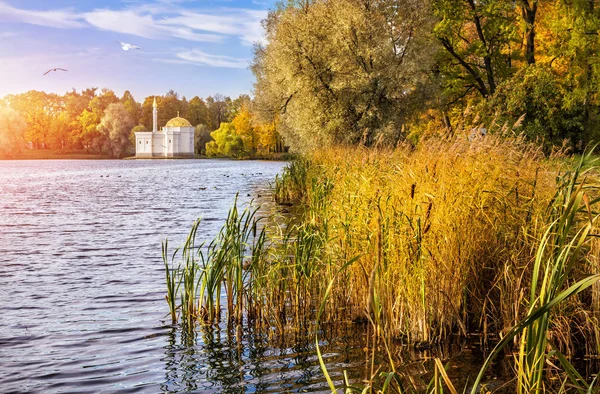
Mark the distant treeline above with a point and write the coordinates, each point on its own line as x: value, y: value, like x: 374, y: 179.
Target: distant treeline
x: 389, y: 71
x: 101, y: 122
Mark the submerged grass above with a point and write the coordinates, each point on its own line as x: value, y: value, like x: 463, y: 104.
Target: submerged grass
x: 447, y: 238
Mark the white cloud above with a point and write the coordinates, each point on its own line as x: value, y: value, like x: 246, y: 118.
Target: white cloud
x: 196, y: 56
x: 160, y: 20
x: 142, y: 25
x: 62, y: 19
x: 242, y: 23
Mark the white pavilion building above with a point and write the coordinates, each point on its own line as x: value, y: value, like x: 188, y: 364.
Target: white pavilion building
x: 176, y: 139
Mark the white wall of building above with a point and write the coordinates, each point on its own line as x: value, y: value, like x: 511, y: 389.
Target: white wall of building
x: 169, y: 142
x: 143, y: 144
x: 158, y: 140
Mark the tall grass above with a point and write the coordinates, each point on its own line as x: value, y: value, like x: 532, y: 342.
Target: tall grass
x: 451, y: 237
x: 435, y: 228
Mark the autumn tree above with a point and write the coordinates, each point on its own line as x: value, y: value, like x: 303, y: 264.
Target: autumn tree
x: 219, y: 108
x: 243, y: 126
x: 184, y: 108
x: 60, y: 131
x: 269, y: 140
x: 12, y: 131
x: 476, y: 38
x: 37, y: 109
x: 168, y: 107
x: 555, y: 89
x: 197, y: 112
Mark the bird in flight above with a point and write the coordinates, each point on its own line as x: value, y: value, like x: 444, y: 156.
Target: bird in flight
x: 125, y: 46
x: 54, y: 69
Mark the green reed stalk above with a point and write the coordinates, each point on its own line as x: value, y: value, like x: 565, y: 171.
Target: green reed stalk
x: 173, y: 280
x: 225, y: 264
x: 191, y: 278
x: 213, y: 279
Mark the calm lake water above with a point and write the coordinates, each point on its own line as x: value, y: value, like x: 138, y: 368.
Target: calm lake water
x: 82, y: 290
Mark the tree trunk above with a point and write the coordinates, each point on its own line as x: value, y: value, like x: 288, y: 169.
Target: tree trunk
x: 487, y: 59
x: 528, y: 12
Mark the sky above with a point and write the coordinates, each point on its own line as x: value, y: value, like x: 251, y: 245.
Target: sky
x: 195, y: 47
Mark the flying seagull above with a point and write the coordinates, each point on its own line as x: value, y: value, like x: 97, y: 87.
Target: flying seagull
x: 54, y: 69
x: 125, y: 46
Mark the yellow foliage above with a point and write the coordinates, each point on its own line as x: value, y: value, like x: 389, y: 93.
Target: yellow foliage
x: 243, y: 127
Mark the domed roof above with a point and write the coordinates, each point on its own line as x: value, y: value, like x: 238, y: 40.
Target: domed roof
x: 178, y: 122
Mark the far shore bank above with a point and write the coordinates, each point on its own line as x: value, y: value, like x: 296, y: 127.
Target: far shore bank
x: 47, y: 154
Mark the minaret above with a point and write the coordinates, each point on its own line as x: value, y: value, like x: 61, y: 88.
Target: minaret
x: 154, y: 116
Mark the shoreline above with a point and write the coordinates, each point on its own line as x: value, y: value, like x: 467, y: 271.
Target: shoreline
x: 47, y: 154
x: 43, y: 154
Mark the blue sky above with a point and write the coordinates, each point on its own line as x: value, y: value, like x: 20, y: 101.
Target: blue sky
x: 195, y: 47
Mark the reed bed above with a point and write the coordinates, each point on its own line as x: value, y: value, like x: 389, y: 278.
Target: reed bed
x: 451, y: 237
x: 445, y: 232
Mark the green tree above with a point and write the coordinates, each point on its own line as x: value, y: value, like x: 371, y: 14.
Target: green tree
x: 115, y: 126
x: 133, y: 107
x: 226, y: 142
x: 91, y: 137
x: 340, y: 71
x: 573, y: 50
x: 479, y: 41
x: 201, y: 138
x: 135, y: 130
x: 242, y: 101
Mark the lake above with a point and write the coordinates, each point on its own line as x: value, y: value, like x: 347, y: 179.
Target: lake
x: 82, y: 288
